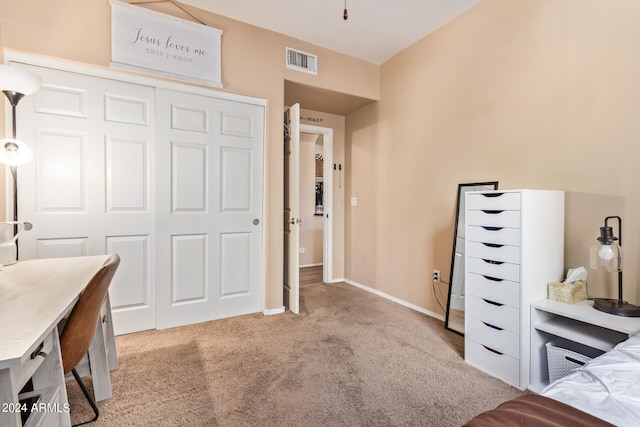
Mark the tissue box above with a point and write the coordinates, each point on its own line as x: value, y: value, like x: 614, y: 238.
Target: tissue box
x: 567, y: 293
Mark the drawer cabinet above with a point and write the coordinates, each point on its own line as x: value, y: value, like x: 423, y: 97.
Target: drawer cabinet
x: 514, y: 246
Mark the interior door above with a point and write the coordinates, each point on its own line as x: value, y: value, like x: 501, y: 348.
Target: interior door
x: 291, y: 217
x: 87, y: 189
x: 209, y: 208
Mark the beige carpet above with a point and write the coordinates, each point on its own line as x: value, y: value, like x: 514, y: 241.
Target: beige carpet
x: 350, y: 358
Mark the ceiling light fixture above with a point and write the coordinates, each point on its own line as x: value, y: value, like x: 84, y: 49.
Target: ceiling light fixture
x: 345, y: 15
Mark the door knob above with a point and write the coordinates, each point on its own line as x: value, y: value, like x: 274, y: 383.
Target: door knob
x: 256, y: 221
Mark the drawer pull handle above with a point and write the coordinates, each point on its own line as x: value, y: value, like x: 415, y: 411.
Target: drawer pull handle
x: 493, y: 245
x: 490, y: 261
x: 493, y: 279
x: 492, y: 302
x: 491, y: 211
x: 577, y: 362
x: 492, y: 350
x: 492, y: 326
x: 492, y: 228
x: 493, y: 194
x: 38, y: 351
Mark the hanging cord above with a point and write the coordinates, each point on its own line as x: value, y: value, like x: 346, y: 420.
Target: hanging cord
x: 436, y: 293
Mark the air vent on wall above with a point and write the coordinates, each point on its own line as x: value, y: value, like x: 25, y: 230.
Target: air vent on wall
x: 302, y: 61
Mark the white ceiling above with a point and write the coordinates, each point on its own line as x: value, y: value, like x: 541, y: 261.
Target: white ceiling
x: 375, y: 31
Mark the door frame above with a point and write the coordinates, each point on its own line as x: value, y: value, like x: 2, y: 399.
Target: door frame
x: 327, y: 232
x: 123, y: 76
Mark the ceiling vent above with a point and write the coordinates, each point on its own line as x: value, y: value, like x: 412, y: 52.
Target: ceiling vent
x: 302, y: 61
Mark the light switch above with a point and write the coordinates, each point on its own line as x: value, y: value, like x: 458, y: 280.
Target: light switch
x: 354, y: 201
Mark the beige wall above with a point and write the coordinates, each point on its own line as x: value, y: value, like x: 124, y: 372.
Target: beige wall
x: 252, y: 64
x: 538, y: 94
x: 534, y: 94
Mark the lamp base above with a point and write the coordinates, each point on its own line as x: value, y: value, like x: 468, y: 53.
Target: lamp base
x: 616, y: 307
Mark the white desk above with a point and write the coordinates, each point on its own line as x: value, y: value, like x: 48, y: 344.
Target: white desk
x: 34, y: 296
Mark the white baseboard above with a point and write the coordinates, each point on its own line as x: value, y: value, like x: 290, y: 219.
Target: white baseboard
x: 373, y: 291
x: 396, y: 300
x: 311, y: 265
x: 273, y: 311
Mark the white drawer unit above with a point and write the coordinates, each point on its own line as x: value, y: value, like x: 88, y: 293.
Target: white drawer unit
x: 514, y: 247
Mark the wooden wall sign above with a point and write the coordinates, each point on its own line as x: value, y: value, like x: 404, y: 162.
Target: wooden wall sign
x: 155, y: 43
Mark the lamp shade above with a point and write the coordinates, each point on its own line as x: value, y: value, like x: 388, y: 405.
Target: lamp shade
x: 606, y: 257
x: 14, y: 152
x: 606, y: 254
x: 13, y: 79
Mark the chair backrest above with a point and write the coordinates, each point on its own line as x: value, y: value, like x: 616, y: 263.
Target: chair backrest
x: 80, y: 327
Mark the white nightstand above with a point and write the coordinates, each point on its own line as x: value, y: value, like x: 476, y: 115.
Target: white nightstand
x: 578, y: 322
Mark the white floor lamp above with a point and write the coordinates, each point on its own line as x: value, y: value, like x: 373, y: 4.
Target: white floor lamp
x: 16, y: 83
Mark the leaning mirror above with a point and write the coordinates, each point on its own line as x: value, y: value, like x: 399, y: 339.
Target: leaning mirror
x: 454, y: 320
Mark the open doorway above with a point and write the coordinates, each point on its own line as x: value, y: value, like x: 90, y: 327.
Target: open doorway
x: 316, y: 201
x: 292, y: 220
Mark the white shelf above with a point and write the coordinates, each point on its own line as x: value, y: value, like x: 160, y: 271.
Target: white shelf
x: 583, y: 311
x: 578, y: 322
x: 583, y: 333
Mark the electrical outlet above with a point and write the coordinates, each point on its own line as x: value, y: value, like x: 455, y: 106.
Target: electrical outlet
x: 436, y: 276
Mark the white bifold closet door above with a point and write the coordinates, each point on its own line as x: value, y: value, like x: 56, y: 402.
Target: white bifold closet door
x: 88, y: 188
x: 170, y: 181
x: 209, y: 216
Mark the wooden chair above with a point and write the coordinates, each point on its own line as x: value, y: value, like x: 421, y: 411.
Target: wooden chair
x: 78, y: 330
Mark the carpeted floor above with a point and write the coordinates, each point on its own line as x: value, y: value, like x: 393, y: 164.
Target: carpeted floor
x: 349, y: 359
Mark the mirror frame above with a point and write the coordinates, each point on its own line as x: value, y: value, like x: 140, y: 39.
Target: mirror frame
x: 460, y: 193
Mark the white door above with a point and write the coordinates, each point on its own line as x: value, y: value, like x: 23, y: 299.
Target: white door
x: 87, y: 189
x: 291, y: 279
x: 209, y: 208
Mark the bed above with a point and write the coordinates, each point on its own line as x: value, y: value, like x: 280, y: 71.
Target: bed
x: 603, y: 392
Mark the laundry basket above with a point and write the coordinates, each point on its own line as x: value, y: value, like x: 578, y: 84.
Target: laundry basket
x: 563, y: 356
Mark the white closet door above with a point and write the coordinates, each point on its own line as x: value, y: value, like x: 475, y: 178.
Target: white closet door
x: 209, y: 208
x: 87, y: 190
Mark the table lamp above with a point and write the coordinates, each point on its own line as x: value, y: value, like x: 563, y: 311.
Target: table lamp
x: 607, y: 255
